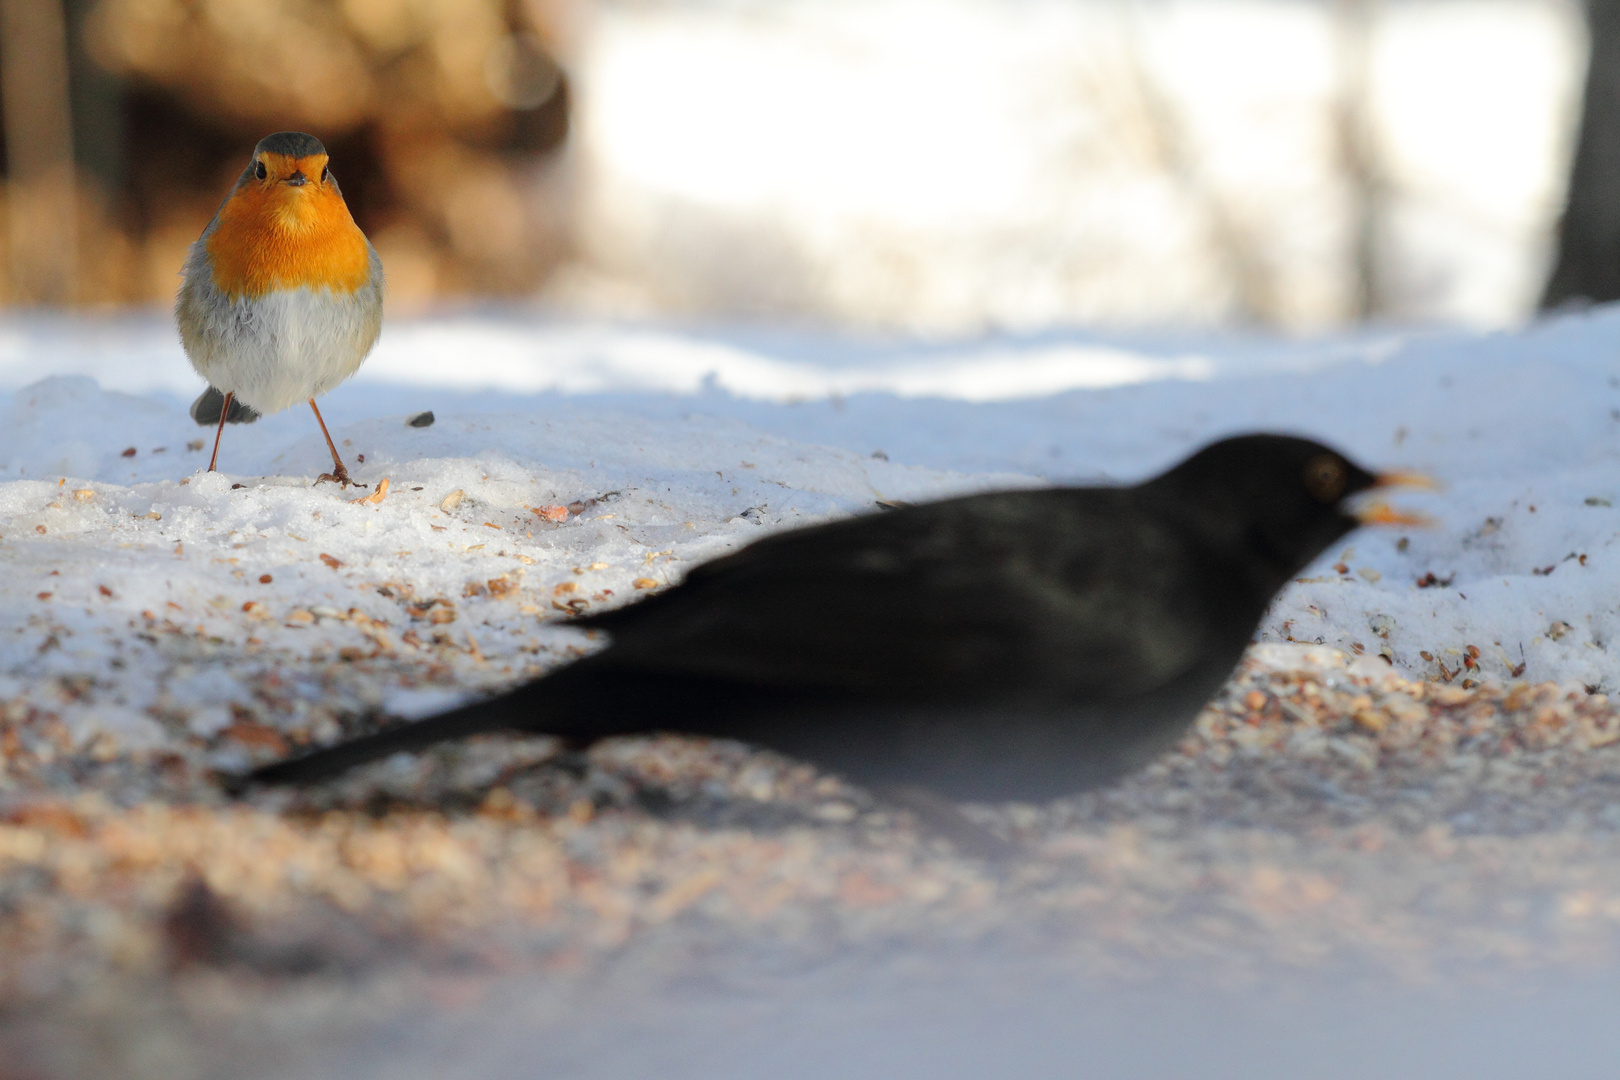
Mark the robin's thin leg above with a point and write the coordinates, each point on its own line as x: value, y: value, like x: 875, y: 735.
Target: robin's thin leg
x: 225, y: 410
x: 339, y: 474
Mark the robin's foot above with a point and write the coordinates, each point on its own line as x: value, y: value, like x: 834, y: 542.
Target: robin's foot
x: 339, y: 476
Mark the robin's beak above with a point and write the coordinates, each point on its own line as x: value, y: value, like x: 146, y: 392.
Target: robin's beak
x: 297, y: 179
x: 1381, y: 513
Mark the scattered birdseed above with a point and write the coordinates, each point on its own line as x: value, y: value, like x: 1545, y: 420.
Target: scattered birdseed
x: 376, y: 496
x: 1314, y: 794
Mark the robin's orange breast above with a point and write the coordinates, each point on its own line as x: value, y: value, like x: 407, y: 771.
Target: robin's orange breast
x: 283, y: 237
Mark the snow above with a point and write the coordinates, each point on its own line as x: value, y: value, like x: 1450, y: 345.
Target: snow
x: 140, y: 616
x: 134, y: 581
x: 981, y: 1017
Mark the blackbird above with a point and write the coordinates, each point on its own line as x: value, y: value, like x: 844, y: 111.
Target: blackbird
x: 1009, y: 645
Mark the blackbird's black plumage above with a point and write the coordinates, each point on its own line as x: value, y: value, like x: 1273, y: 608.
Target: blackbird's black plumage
x: 1010, y: 645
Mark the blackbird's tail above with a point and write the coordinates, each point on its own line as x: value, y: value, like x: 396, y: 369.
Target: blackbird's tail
x: 473, y: 720
x: 205, y: 410
x: 590, y: 699
x: 546, y: 706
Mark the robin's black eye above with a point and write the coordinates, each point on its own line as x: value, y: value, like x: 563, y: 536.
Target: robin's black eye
x: 1325, y: 478
x: 326, y: 174
x: 259, y: 170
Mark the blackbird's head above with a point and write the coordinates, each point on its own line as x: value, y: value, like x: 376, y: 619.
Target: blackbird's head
x: 1283, y: 498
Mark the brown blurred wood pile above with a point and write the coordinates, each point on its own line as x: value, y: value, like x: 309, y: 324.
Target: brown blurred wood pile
x: 444, y: 118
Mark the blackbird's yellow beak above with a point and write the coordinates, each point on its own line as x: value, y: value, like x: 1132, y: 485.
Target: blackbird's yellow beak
x: 1407, y: 478
x: 1385, y: 514
x: 1380, y: 513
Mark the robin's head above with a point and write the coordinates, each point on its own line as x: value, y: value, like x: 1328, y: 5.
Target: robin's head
x: 1285, y: 498
x: 290, y: 178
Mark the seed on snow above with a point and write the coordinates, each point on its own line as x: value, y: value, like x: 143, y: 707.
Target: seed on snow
x: 376, y: 496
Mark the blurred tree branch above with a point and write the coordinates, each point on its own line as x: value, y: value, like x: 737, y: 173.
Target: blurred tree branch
x: 1358, y: 152
x: 1588, y: 266
x: 39, y: 150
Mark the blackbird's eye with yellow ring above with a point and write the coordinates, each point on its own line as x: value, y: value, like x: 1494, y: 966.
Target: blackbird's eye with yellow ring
x: 1325, y: 478
x: 259, y: 170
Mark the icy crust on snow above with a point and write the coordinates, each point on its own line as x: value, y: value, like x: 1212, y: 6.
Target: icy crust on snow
x: 187, y: 601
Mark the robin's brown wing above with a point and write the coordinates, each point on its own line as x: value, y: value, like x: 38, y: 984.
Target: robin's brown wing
x: 206, y: 409
x: 1070, y: 592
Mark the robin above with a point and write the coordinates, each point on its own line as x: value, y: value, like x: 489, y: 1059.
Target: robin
x: 281, y: 298
x: 1008, y: 645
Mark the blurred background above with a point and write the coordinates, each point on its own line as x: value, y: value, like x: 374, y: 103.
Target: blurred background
x: 932, y: 166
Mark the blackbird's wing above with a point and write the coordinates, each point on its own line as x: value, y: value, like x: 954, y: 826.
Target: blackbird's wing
x: 1067, y: 591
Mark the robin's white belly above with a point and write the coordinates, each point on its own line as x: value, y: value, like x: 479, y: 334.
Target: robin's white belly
x: 282, y: 348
